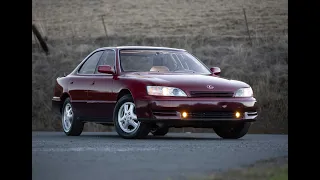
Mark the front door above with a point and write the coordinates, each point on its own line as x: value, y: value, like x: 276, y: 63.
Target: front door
x: 101, y: 96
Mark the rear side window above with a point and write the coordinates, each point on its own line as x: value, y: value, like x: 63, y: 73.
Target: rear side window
x: 108, y: 58
x: 91, y: 63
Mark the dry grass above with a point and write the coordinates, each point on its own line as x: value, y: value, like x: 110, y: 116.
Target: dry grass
x: 271, y: 169
x: 74, y: 18
x: 208, y: 29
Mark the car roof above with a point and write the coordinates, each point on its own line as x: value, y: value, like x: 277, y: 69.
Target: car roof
x: 142, y: 48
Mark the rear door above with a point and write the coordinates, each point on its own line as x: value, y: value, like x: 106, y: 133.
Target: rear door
x: 79, y: 84
x: 101, y: 96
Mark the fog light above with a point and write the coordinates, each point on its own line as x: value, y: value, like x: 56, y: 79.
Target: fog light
x: 237, y: 114
x: 184, y: 115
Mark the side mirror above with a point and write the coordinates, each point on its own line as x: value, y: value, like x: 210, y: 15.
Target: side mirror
x: 106, y: 69
x: 215, y: 70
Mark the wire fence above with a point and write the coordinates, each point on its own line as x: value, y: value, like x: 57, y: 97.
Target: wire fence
x: 234, y: 22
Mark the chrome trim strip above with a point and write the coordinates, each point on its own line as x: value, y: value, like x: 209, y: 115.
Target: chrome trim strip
x: 56, y: 98
x: 250, y: 115
x: 100, y: 102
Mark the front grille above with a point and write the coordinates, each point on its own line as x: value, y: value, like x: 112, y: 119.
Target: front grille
x: 210, y: 94
x: 214, y: 115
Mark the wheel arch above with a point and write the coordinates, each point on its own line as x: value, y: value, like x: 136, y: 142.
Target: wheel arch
x: 123, y: 92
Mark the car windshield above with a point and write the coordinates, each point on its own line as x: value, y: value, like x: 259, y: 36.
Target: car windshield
x: 161, y: 61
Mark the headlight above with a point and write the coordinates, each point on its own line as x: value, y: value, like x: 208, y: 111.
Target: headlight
x: 165, y: 91
x: 244, y: 92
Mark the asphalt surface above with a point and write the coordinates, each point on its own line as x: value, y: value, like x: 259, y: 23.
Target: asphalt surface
x: 103, y: 156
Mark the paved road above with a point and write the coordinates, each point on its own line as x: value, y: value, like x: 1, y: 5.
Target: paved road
x: 103, y: 156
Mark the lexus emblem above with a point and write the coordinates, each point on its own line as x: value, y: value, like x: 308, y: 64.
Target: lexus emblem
x: 210, y: 87
x: 224, y: 106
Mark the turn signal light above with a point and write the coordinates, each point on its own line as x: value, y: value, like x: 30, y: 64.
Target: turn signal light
x: 237, y: 114
x: 184, y: 114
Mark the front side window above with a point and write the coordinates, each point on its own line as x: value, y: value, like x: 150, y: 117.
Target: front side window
x: 108, y: 58
x: 90, y: 65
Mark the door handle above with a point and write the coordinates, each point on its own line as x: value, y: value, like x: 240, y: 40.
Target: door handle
x: 92, y: 83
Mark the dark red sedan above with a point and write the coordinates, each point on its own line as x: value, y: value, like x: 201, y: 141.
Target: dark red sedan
x: 142, y: 89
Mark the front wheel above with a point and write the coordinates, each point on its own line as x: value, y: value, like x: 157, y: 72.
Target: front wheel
x: 71, y: 126
x: 125, y: 120
x: 232, y: 131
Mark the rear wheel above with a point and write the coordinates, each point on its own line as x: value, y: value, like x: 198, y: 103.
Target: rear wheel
x: 71, y: 126
x: 232, y: 131
x: 160, y: 131
x: 125, y: 120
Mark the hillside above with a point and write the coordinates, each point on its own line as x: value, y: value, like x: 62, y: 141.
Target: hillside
x: 81, y: 18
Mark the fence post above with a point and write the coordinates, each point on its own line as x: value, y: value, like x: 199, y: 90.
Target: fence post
x: 73, y: 30
x: 245, y: 18
x: 36, y: 40
x: 40, y: 39
x: 104, y: 26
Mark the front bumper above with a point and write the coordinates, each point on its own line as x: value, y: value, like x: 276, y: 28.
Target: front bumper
x: 198, y: 109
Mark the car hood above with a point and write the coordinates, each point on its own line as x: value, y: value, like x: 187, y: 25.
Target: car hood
x: 189, y: 82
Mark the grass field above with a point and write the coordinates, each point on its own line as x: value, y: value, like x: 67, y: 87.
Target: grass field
x: 270, y: 169
x: 81, y: 18
x: 214, y: 31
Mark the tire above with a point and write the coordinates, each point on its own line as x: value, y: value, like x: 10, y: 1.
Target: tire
x: 70, y: 125
x: 232, y: 131
x: 125, y: 120
x: 160, y: 131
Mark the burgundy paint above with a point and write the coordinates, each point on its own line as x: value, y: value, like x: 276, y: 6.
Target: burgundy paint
x: 96, y: 95
x: 106, y: 69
